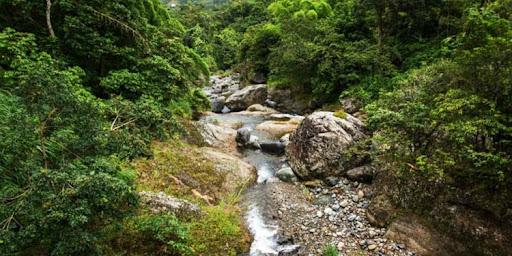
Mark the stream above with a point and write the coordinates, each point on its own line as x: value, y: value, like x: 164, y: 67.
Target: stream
x: 264, y: 230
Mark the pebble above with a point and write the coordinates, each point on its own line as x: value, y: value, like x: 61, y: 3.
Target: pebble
x: 344, y: 203
x: 319, y: 214
x: 372, y: 247
x: 360, y: 194
x: 329, y: 211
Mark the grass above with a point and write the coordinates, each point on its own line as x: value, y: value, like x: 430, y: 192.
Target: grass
x: 340, y: 114
x: 330, y: 250
x: 179, y: 169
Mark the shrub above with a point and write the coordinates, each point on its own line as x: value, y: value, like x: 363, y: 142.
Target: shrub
x: 330, y: 250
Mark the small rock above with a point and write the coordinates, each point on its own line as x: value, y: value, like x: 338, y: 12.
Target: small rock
x: 331, y: 181
x: 319, y: 214
x: 225, y: 110
x: 372, y: 247
x: 360, y: 194
x: 286, y: 174
x: 218, y: 104
x: 329, y: 211
x: 274, y: 147
x: 344, y: 203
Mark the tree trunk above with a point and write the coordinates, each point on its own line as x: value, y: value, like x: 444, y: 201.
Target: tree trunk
x: 48, y: 18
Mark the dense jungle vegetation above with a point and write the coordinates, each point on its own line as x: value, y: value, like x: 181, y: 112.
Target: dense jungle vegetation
x: 87, y: 86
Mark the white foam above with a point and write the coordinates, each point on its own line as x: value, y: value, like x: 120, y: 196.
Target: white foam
x: 264, y: 173
x: 265, y: 235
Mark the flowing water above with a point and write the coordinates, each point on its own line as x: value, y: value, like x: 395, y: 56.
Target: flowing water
x: 265, y: 231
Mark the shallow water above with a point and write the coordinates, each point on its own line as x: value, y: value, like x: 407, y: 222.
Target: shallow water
x: 263, y: 229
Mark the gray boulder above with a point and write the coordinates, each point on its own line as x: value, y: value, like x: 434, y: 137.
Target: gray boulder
x: 351, y: 105
x: 218, y: 104
x: 316, y: 148
x: 245, y: 139
x: 362, y: 174
x: 242, y: 99
x: 286, y: 174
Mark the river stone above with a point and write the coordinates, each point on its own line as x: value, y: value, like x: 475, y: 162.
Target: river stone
x: 331, y: 181
x: 278, y: 128
x: 217, y: 136
x: 225, y: 110
x: 351, y: 105
x: 274, y: 147
x: 238, y: 173
x: 218, y: 104
x: 240, y: 100
x: 244, y: 138
x: 286, y: 174
x: 260, y: 108
x: 161, y: 202
x: 285, y: 139
x: 316, y: 147
x: 362, y: 174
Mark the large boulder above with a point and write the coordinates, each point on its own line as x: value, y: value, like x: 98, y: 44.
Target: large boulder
x: 253, y: 94
x: 218, y: 136
x: 162, y: 203
x: 362, y: 173
x: 316, y: 148
x: 291, y: 101
x: 237, y: 173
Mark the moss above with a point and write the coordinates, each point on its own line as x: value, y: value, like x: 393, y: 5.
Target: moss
x: 340, y: 114
x: 179, y: 169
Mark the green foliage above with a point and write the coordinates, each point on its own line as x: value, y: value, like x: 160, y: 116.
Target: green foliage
x: 166, y: 230
x: 451, y: 117
x: 219, y: 232
x: 73, y: 107
x: 256, y: 47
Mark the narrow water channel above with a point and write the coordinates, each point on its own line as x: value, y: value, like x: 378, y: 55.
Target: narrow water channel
x: 264, y: 230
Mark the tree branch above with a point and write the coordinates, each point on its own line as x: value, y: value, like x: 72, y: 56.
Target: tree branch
x: 48, y: 18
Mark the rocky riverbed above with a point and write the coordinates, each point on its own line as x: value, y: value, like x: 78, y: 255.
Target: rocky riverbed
x: 292, y: 217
